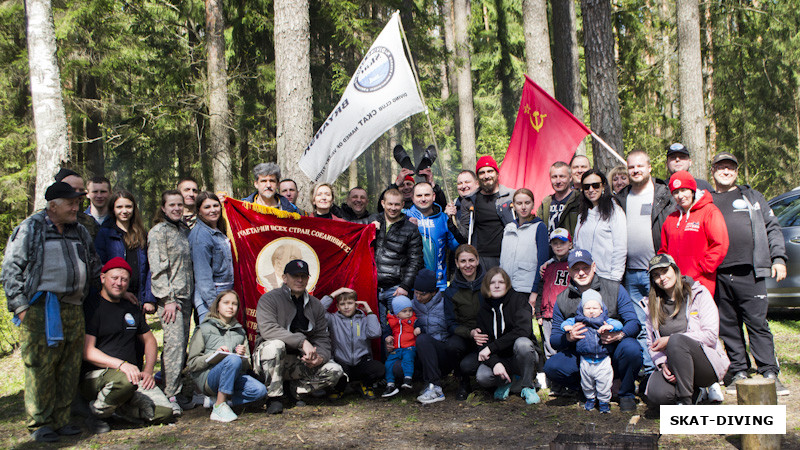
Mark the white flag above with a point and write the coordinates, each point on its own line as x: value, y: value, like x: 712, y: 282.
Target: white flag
x: 381, y: 93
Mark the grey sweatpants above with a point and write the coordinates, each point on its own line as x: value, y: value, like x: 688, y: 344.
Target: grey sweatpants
x: 596, y: 379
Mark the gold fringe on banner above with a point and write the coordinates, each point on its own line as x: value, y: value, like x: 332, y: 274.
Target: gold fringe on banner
x: 259, y: 209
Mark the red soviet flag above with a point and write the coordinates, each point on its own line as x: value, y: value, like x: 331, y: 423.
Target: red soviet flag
x: 545, y: 132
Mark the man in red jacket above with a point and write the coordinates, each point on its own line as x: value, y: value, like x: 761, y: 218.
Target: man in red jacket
x: 695, y: 234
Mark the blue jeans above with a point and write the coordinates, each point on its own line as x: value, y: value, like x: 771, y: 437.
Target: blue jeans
x: 227, y: 377
x: 637, y: 283
x: 385, y: 296
x: 406, y: 358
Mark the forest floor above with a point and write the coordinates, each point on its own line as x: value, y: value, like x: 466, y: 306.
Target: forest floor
x: 401, y: 422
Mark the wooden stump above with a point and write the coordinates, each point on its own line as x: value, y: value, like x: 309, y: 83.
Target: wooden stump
x: 758, y: 391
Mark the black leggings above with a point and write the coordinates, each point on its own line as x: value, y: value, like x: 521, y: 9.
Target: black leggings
x: 691, y: 367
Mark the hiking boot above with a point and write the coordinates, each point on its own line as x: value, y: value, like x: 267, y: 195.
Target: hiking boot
x: 431, y: 394
x: 740, y: 375
x: 627, y: 404
x: 780, y: 389
x: 367, y: 392
x: 97, y: 426
x: 530, y: 396
x: 275, y: 406
x: 391, y: 391
x: 223, y: 413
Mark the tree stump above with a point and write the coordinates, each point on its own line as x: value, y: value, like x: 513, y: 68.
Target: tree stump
x: 758, y: 391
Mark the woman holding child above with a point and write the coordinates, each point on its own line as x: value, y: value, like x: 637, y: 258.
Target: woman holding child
x: 225, y: 380
x: 506, y: 318
x: 682, y: 334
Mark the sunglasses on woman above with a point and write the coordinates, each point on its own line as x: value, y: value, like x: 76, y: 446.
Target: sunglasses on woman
x: 587, y: 186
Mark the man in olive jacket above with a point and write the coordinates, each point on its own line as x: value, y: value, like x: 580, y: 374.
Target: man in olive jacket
x: 293, y: 340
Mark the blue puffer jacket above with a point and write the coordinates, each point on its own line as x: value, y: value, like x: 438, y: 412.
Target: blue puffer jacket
x: 212, y: 261
x: 436, y: 236
x: 435, y: 318
x: 109, y: 244
x: 590, y: 346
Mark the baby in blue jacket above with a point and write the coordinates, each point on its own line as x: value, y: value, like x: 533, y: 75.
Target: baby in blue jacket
x: 597, y: 375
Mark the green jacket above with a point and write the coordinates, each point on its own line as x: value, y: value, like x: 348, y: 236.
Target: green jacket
x: 569, y: 217
x: 207, y: 338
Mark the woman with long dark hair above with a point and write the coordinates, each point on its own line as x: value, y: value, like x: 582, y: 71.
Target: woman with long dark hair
x: 212, y: 258
x: 602, y: 228
x: 125, y: 236
x: 682, y: 335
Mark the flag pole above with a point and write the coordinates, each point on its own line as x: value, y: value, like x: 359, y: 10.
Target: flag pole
x: 608, y: 147
x: 427, y: 115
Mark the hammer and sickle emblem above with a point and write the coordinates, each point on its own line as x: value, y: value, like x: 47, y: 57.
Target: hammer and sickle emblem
x: 537, y: 120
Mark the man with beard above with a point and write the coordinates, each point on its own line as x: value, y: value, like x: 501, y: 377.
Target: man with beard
x: 560, y: 210
x: 492, y: 203
x: 647, y: 203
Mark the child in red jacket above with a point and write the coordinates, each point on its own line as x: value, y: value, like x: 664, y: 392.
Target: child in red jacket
x: 404, y: 340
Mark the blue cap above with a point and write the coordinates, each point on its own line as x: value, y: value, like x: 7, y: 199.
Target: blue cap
x: 579, y: 255
x: 400, y: 303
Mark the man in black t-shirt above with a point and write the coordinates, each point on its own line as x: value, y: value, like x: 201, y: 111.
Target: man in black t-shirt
x: 114, y: 381
x: 492, y: 204
x: 741, y: 292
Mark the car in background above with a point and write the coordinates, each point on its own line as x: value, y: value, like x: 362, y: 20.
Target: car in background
x: 787, y: 210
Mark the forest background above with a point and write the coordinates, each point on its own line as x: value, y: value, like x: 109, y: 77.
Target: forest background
x: 138, y: 90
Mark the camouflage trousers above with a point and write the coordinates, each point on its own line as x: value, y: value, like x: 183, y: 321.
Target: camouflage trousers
x: 109, y: 391
x: 173, y: 356
x: 274, y: 365
x: 51, y: 373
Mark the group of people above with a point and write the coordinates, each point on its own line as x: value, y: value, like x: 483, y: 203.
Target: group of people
x: 624, y: 281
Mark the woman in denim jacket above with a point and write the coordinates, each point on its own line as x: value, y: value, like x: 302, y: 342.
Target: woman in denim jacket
x: 211, y: 253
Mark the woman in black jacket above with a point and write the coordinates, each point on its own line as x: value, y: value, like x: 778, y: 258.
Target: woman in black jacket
x: 506, y: 318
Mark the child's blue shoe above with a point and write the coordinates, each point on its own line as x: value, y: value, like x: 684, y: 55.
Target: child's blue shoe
x: 530, y: 396
x: 501, y: 393
x: 590, y: 404
x: 604, y: 407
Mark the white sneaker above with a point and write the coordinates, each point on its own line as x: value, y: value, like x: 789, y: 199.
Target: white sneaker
x: 431, y: 394
x: 715, y: 393
x: 223, y: 413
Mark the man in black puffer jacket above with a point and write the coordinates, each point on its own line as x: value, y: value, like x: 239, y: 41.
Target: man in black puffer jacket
x: 398, y: 251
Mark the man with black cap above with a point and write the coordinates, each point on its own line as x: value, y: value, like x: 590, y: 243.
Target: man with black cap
x: 49, y: 265
x: 678, y: 158
x: 73, y: 179
x: 293, y: 342
x: 624, y: 349
x: 115, y: 380
x: 741, y: 292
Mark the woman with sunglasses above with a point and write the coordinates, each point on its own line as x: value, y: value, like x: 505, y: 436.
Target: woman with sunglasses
x: 602, y: 228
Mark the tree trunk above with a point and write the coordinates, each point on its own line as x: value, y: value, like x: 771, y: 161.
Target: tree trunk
x: 537, y: 44
x: 690, y: 77
x: 466, y: 110
x: 293, y: 87
x: 49, y: 117
x: 601, y: 74
x: 665, y: 16
x: 450, y: 46
x: 95, y: 159
x: 566, y: 63
x: 219, y: 114
x: 708, y: 72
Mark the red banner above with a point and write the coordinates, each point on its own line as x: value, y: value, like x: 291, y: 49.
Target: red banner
x: 545, y: 132
x: 339, y: 254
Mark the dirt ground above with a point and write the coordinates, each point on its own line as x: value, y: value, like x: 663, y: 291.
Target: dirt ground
x: 401, y: 422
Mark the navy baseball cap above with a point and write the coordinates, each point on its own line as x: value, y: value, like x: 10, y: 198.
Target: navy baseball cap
x: 579, y: 255
x: 296, y: 266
